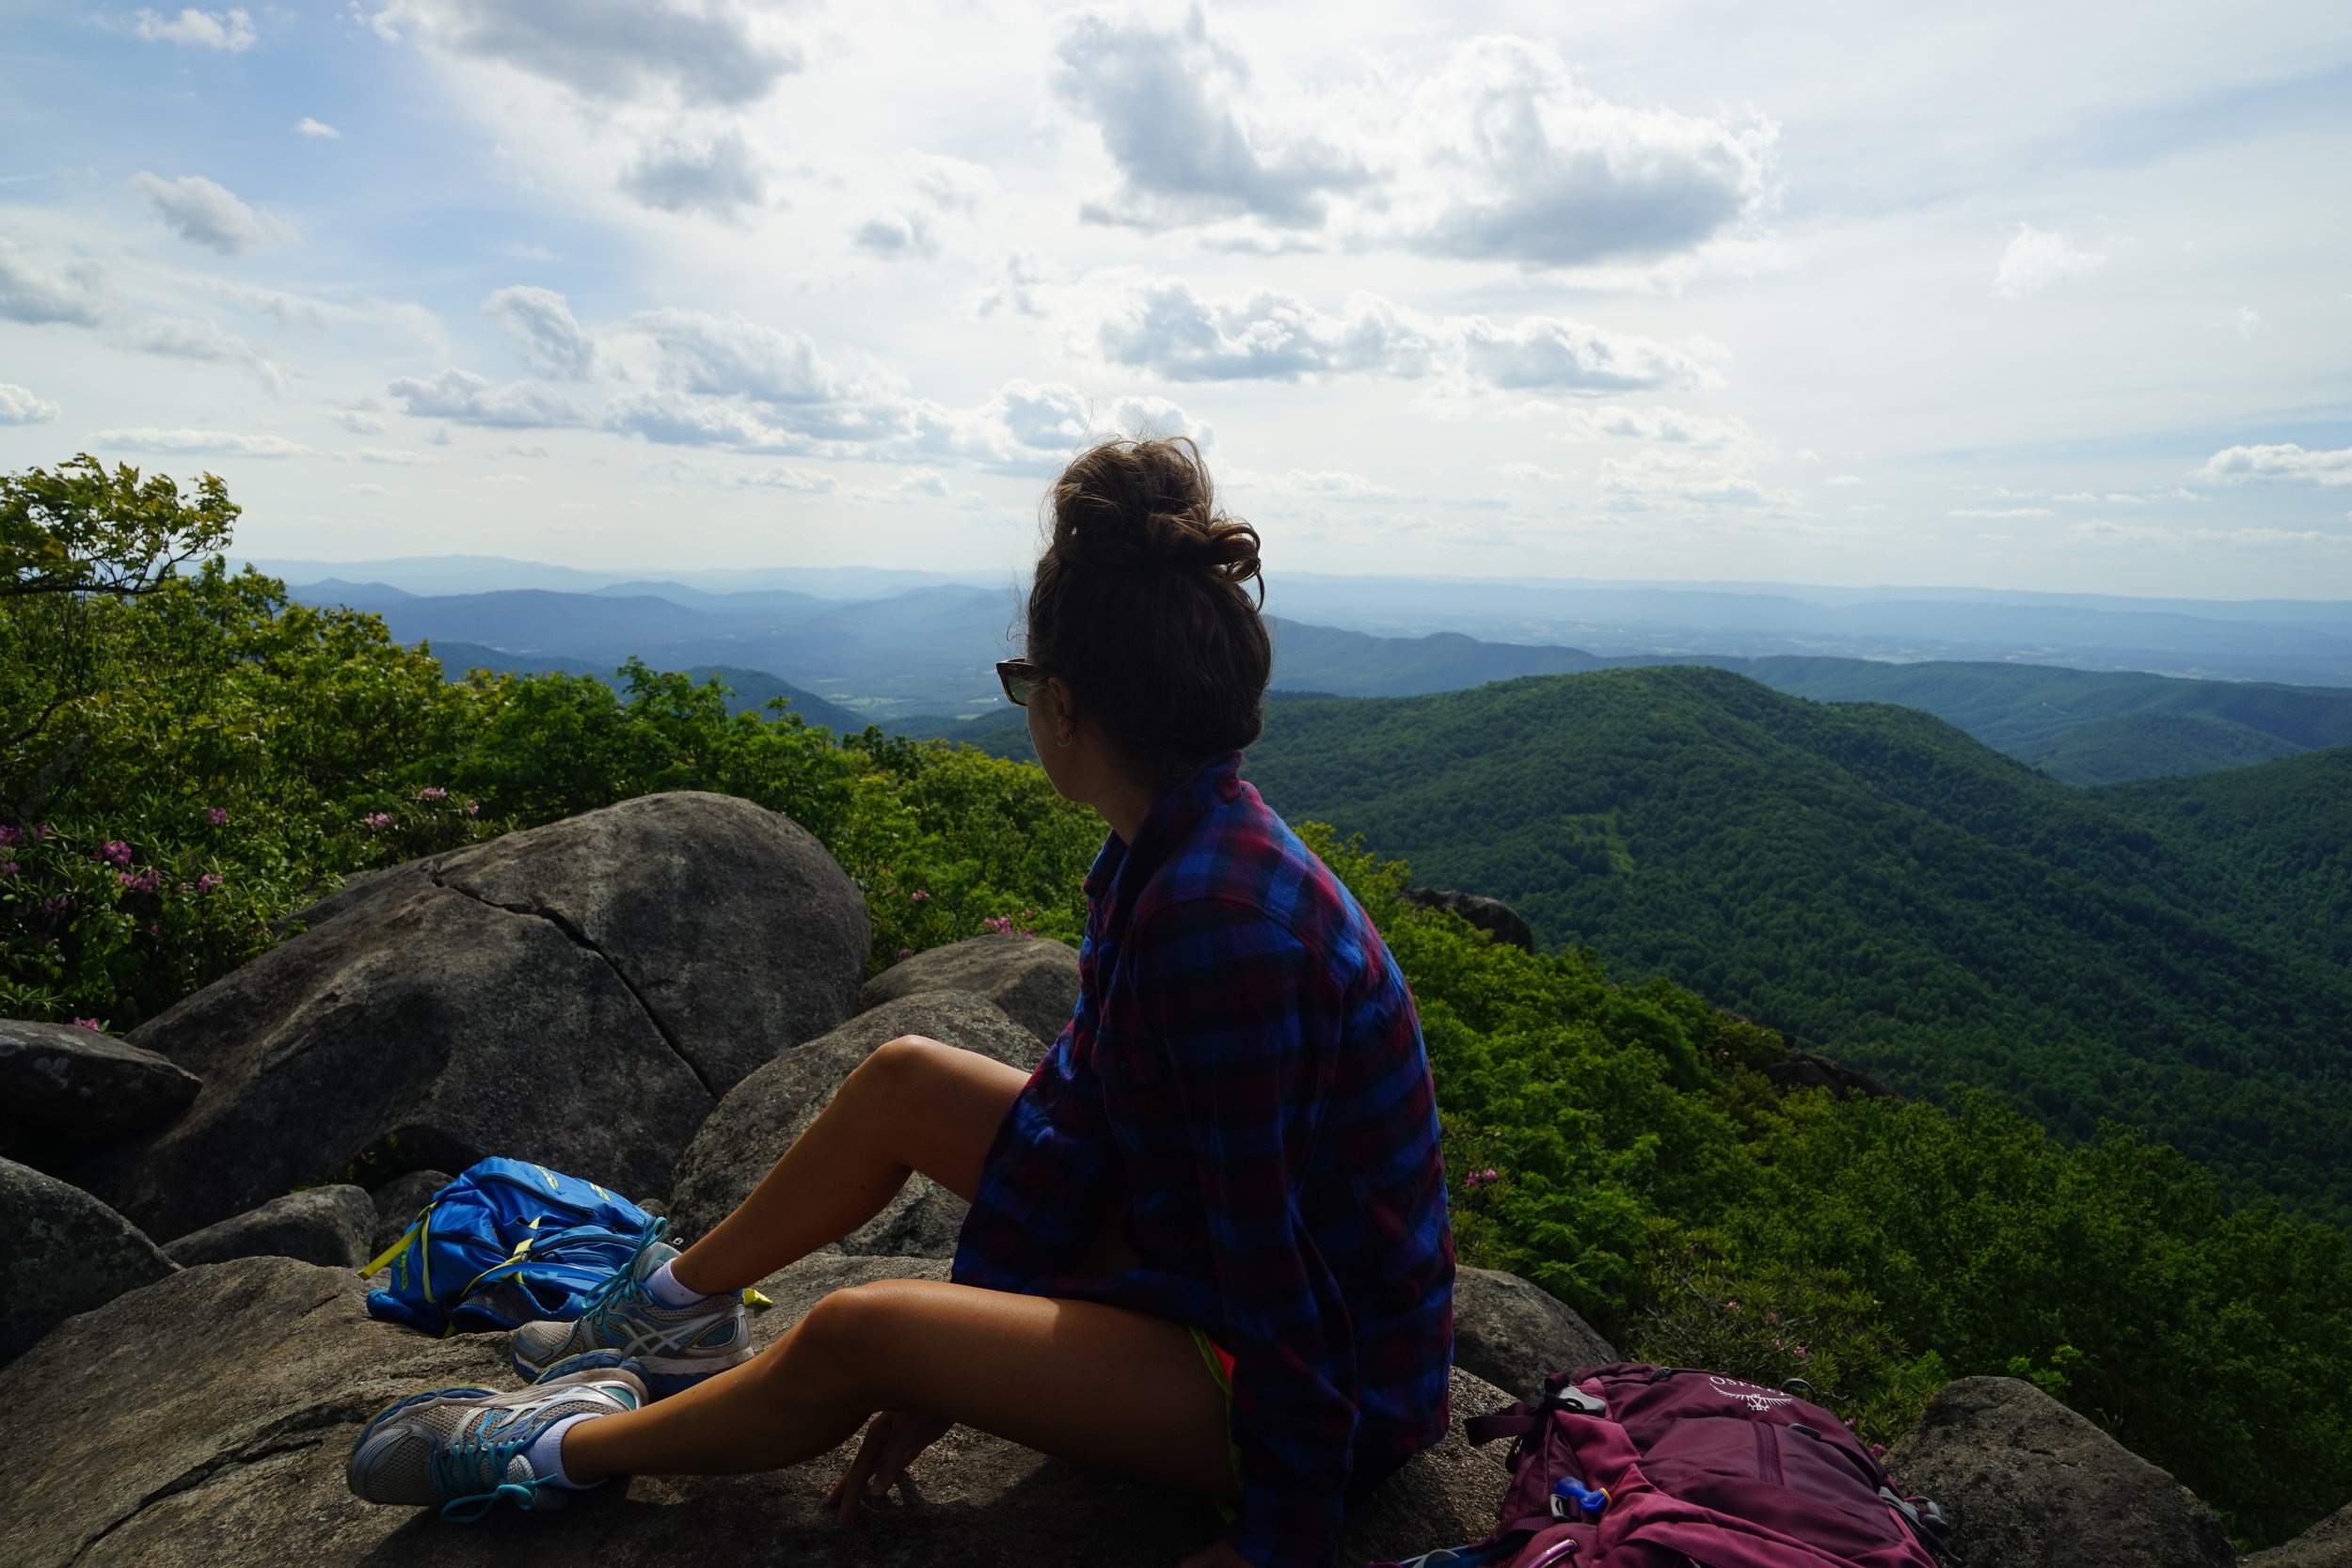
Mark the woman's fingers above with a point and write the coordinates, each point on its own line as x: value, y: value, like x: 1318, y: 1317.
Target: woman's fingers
x: 893, y: 1438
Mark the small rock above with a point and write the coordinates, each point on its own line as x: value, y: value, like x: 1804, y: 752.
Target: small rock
x: 69, y: 1082
x: 1034, y: 979
x: 2326, y: 1544
x: 1491, y: 915
x: 396, y: 1205
x: 2029, y: 1483
x: 1802, y: 1070
x: 756, y: 1123
x: 1515, y: 1333
x: 62, y: 1252
x: 330, y: 1226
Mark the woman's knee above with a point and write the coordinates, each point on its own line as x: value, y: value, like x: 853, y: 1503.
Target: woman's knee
x: 857, y: 1336
x: 897, y: 1068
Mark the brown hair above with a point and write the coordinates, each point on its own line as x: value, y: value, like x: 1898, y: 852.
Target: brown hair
x: 1140, y: 603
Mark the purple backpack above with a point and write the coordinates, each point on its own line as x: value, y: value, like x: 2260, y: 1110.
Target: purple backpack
x: 1637, y: 1467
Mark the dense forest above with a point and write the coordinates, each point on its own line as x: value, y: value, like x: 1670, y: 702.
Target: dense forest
x: 1893, y: 892
x: 211, y: 757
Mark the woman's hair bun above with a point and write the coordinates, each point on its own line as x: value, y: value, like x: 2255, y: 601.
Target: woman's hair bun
x: 1141, y: 603
x: 1147, y: 505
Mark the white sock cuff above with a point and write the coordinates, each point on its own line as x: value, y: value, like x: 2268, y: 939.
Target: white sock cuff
x: 665, y: 1288
x: 546, y: 1454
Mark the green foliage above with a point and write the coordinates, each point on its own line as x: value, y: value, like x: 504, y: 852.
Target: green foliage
x: 1622, y: 1146
x: 1889, y: 892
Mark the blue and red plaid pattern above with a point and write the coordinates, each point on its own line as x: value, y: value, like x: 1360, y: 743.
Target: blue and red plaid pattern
x: 1243, y: 1092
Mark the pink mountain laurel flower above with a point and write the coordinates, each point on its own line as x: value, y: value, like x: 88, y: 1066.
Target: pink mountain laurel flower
x: 918, y: 896
x: 58, y: 905
x: 9, y: 836
x: 905, y: 953
x: 376, y: 821
x: 114, y: 850
x: 432, y: 792
x: 1731, y: 1307
x: 1481, y: 1178
x: 210, y: 882
x: 89, y: 1023
x: 473, y: 808
x: 140, y: 881
x: 216, y: 815
x: 10, y: 868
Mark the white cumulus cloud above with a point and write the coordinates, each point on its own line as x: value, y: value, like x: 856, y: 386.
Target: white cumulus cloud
x: 231, y: 31
x: 306, y: 126
x: 35, y: 295
x: 2035, y: 258
x: 1170, y: 105
x: 718, y: 177
x: 2286, y: 462
x: 539, y: 321
x: 20, y: 406
x: 217, y: 443
x: 466, y: 398
x: 1555, y: 354
x: 1510, y: 160
x: 203, y: 212
x: 697, y: 52
x: 1165, y: 327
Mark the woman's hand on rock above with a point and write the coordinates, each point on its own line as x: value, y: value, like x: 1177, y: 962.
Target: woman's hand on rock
x: 893, y: 1438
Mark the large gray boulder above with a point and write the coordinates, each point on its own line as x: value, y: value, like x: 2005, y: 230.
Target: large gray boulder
x: 579, y: 995
x: 329, y: 1225
x: 205, y: 1421
x: 1515, y: 1333
x: 2029, y: 1483
x: 761, y: 1117
x: 1034, y: 979
x: 65, y: 1083
x: 2326, y: 1544
x: 61, y: 1252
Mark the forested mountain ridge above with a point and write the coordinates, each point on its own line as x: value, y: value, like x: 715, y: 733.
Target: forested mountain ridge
x: 1870, y: 880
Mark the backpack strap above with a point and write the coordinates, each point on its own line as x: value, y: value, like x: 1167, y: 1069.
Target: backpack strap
x: 1927, y: 1522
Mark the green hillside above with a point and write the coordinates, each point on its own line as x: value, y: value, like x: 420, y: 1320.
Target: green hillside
x: 748, y: 690
x: 2085, y: 727
x: 1885, y: 889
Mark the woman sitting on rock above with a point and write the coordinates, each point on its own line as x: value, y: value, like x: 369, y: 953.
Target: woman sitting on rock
x: 1207, y: 1244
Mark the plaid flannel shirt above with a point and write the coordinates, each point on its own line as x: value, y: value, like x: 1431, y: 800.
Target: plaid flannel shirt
x: 1243, y: 1094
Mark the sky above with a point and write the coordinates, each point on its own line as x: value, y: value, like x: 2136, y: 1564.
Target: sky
x: 2036, y: 297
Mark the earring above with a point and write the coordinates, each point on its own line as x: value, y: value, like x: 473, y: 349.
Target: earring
x: 1062, y: 740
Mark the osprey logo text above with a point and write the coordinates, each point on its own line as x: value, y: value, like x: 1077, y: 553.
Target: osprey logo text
x: 1756, y: 1399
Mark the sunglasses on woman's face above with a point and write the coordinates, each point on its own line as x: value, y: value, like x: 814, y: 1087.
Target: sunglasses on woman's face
x: 1020, y: 678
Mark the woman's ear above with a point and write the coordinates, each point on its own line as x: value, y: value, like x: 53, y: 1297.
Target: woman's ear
x: 1063, y: 709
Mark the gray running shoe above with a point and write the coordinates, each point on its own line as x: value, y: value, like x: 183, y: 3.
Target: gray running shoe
x: 673, y: 1347
x: 462, y: 1448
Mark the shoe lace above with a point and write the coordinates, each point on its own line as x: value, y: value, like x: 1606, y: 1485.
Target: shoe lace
x: 461, y: 1462
x: 617, y: 1284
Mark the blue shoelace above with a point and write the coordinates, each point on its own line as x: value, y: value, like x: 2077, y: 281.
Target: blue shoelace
x: 461, y: 1464
x: 621, y: 1280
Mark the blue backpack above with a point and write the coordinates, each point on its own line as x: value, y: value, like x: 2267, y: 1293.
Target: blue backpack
x: 506, y: 1243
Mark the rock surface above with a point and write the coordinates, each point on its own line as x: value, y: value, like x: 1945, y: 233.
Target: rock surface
x: 1034, y: 979
x: 1515, y: 1333
x: 327, y: 1225
x: 761, y: 1117
x: 578, y: 994
x: 67, y: 1083
x: 1491, y: 915
x: 2029, y: 1483
x: 204, y: 1420
x: 2326, y: 1544
x: 397, y: 1202
x: 1802, y: 1070
x: 61, y: 1252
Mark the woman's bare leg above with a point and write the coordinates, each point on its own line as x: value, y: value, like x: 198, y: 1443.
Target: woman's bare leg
x: 914, y: 1105
x: 1100, y: 1384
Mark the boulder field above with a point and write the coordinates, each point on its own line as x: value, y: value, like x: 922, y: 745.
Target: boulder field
x: 659, y: 996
